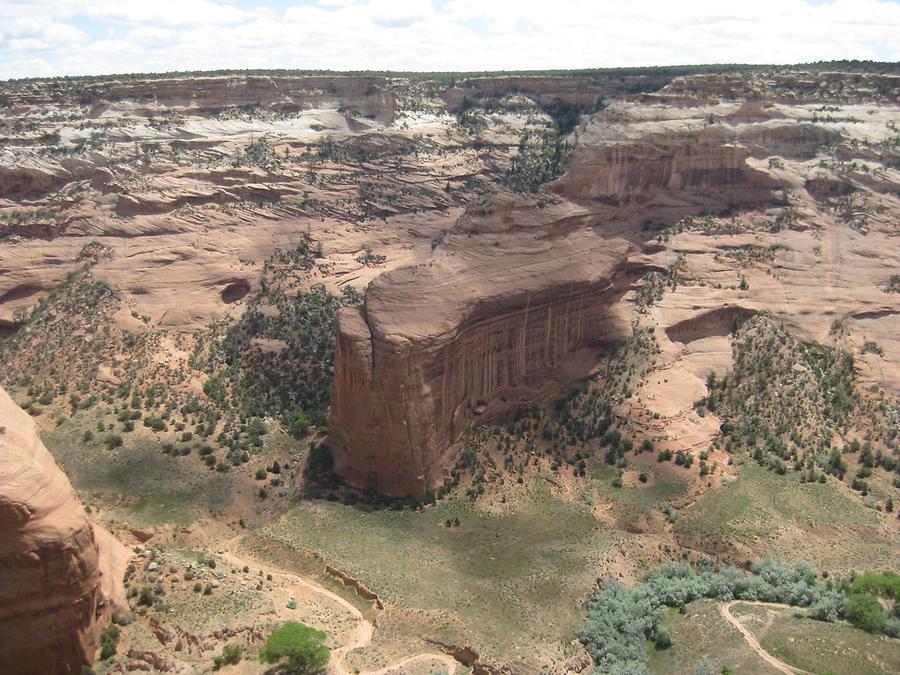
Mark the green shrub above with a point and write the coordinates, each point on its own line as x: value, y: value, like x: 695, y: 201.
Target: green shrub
x: 864, y: 611
x: 299, y: 424
x: 147, y: 597
x: 663, y: 638
x: 109, y: 640
x: 155, y: 423
x: 230, y: 655
x: 297, y: 648
x: 885, y: 584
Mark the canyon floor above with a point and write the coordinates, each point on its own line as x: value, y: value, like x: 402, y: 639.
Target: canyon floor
x: 174, y: 252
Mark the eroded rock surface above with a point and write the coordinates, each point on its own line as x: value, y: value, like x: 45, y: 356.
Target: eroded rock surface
x: 186, y: 207
x: 491, y: 323
x: 515, y: 305
x: 62, y: 575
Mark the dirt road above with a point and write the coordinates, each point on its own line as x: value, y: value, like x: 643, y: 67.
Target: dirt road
x: 362, y: 636
x: 725, y: 610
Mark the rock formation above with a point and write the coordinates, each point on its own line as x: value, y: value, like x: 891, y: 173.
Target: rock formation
x: 664, y: 168
x: 141, y: 217
x: 515, y: 306
x: 511, y: 311
x: 584, y: 93
x: 347, y: 152
x: 61, y: 574
x: 368, y: 95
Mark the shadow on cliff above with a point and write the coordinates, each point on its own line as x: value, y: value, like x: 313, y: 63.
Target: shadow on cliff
x: 320, y: 482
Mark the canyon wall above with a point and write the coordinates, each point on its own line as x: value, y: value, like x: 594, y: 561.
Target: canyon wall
x: 61, y: 575
x: 584, y: 92
x: 517, y: 302
x: 367, y: 95
x: 511, y: 311
x: 791, y: 86
x: 674, y: 171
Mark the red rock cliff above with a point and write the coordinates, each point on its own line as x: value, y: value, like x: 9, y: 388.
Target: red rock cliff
x: 59, y: 574
x: 493, y: 323
x: 515, y: 305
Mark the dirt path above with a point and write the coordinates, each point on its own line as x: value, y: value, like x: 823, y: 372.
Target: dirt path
x: 725, y: 611
x: 362, y: 636
x: 449, y: 662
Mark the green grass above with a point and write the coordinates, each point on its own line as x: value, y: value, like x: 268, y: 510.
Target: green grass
x: 519, y: 574
x: 670, y: 483
x: 829, y: 648
x: 161, y: 488
x: 776, y: 514
x: 760, y: 499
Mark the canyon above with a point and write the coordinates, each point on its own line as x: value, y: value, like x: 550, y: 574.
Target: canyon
x: 416, y: 359
x: 492, y: 324
x: 514, y: 307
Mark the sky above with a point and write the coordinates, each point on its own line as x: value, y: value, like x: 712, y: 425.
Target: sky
x: 92, y: 37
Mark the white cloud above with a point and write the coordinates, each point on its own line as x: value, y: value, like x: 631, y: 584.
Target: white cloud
x: 39, y: 37
x: 167, y: 12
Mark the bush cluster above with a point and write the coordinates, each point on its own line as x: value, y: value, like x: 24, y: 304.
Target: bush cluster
x: 620, y: 619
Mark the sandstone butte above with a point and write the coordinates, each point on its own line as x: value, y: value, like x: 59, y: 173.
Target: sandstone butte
x: 516, y: 304
x: 62, y: 574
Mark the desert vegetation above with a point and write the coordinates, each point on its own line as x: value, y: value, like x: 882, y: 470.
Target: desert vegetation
x: 620, y: 620
x: 296, y: 649
x: 817, y: 398
x: 172, y: 267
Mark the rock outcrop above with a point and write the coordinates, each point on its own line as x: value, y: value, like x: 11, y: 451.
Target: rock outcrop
x: 663, y: 168
x: 510, y: 312
x: 367, y: 95
x: 514, y: 307
x: 60, y: 575
x: 638, y: 172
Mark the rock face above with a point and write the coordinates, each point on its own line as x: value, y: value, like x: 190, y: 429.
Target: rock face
x: 515, y: 306
x: 493, y: 323
x: 674, y: 172
x: 368, y: 95
x: 60, y: 575
x: 580, y: 92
